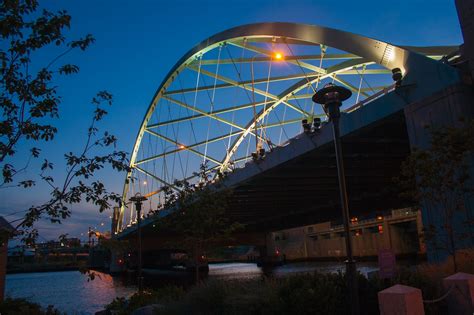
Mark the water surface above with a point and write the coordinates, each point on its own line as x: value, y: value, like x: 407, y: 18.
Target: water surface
x: 70, y: 292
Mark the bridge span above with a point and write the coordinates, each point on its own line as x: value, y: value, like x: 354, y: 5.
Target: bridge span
x: 253, y: 99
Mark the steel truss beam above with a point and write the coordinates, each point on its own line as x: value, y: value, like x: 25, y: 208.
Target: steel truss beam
x: 156, y: 134
x: 222, y: 137
x: 213, y: 116
x: 206, y: 114
x: 246, y: 87
x: 302, y: 64
x: 367, y: 50
x: 155, y: 177
x: 310, y: 75
x: 285, y: 95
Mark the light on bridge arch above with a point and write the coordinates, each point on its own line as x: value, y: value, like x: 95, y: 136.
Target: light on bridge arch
x: 278, y: 56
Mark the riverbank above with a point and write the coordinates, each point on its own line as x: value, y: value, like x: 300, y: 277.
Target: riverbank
x: 414, y: 258
x: 33, y: 268
x: 71, y: 292
x: 308, y: 293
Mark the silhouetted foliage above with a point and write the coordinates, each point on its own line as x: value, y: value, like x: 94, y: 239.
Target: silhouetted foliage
x: 29, y: 102
x: 24, y: 307
x: 198, y: 214
x: 439, y: 178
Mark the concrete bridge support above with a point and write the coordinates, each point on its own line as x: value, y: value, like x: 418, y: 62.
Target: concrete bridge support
x: 445, y: 108
x: 465, y: 10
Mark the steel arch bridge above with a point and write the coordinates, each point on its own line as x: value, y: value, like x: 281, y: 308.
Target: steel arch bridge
x: 248, y: 88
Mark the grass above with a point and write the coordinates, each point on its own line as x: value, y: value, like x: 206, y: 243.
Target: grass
x: 312, y: 293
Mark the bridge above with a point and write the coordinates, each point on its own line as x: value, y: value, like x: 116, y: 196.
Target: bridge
x: 236, y: 101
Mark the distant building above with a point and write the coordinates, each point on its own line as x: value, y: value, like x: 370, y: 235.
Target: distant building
x: 399, y: 230
x: 67, y: 242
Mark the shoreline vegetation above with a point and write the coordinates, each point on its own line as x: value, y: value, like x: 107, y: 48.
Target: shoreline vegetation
x: 304, y: 293
x: 72, y: 266
x: 301, y: 293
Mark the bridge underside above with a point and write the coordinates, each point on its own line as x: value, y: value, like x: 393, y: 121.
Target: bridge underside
x: 305, y: 190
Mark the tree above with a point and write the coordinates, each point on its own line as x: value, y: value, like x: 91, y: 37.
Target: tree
x: 439, y: 179
x: 199, y: 215
x: 29, y: 102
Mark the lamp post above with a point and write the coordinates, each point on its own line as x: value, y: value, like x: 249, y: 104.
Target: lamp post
x: 331, y: 97
x: 138, y: 199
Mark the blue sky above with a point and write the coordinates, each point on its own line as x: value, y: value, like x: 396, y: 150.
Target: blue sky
x: 137, y: 42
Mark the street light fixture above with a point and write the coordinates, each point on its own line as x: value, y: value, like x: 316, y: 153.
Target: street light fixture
x: 138, y: 200
x: 331, y: 97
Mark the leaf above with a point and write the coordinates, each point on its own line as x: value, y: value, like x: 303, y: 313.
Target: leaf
x: 26, y: 183
x: 69, y: 69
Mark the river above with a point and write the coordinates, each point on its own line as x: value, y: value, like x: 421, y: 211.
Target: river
x: 71, y: 292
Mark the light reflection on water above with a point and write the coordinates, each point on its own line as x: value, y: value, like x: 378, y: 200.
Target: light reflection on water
x: 70, y: 291
x: 248, y: 271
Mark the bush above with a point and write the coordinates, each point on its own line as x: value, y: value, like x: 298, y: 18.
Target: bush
x: 298, y: 294
x: 315, y: 293
x: 23, y: 307
x: 163, y: 295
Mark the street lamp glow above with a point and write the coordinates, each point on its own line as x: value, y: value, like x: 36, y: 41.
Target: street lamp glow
x: 278, y: 56
x: 144, y: 182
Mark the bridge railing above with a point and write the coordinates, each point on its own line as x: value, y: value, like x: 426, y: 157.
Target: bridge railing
x: 371, y: 98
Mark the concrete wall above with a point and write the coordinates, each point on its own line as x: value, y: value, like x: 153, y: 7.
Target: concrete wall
x: 465, y: 10
x: 444, y: 108
x: 323, y: 241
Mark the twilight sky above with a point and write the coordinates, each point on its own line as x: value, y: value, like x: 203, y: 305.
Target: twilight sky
x: 137, y: 42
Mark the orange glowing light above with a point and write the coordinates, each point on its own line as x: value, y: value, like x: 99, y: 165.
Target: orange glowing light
x: 278, y: 56
x: 181, y: 147
x: 379, y: 217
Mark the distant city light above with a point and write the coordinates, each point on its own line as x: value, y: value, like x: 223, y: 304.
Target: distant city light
x: 144, y: 182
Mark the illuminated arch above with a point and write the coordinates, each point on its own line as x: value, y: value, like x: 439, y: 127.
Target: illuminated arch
x: 353, y: 55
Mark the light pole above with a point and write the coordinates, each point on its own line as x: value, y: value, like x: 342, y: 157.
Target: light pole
x: 331, y: 97
x: 138, y: 199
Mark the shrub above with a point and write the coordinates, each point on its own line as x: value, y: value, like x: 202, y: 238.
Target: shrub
x: 158, y: 296
x: 12, y: 306
x: 296, y: 294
